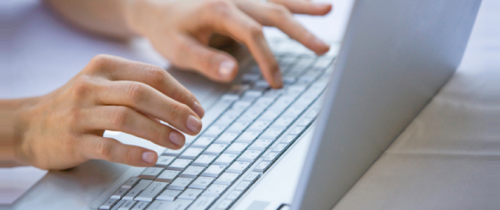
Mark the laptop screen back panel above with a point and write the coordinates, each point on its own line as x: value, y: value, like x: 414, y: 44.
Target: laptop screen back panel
x: 395, y: 57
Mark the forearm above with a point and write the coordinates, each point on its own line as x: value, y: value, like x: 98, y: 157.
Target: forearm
x: 9, y: 135
x: 103, y: 17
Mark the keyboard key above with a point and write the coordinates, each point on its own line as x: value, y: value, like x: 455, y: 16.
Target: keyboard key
x: 214, y: 130
x: 190, y: 194
x: 226, y: 137
x: 238, y: 167
x: 247, y: 137
x: 151, y: 191
x: 179, y: 204
x: 130, y: 182
x: 179, y: 164
x: 225, y: 159
x: 168, y: 195
x: 203, y: 142
x: 215, y: 149
x: 138, y: 188
x: 288, y: 139
x: 141, y: 205
x: 119, y: 193
x: 271, y: 156
x: 250, y: 115
x: 226, y: 178
x: 269, y: 115
x: 252, y: 94
x: 260, y: 144
x: 175, y: 153
x: 192, y: 171
x: 202, y: 203
x: 150, y: 172
x: 191, y: 153
x: 228, y: 117
x: 163, y: 161
x: 272, y: 133
x: 293, y: 112
x: 297, y: 130
x: 204, y: 160
x: 251, y: 177
x: 238, y: 126
x: 262, y: 166
x: 279, y: 148
x: 249, y: 155
x: 234, y: 195
x: 259, y: 126
x: 202, y: 182
x: 242, y: 186
x: 108, y: 204
x: 215, y: 190
x: 236, y: 148
x: 214, y: 170
x: 261, y: 84
x: 305, y: 121
x: 127, y: 205
x: 118, y: 204
x: 249, y: 77
x: 180, y: 183
x: 167, y: 176
x: 241, y: 105
x: 283, y: 122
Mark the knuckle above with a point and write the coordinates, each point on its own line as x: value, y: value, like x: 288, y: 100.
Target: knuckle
x: 159, y: 133
x: 82, y: 86
x: 255, y: 30
x: 119, y: 117
x: 178, y: 110
x: 217, y: 5
x: 101, y: 61
x: 104, y: 149
x: 280, y: 12
x: 155, y: 74
x: 136, y: 92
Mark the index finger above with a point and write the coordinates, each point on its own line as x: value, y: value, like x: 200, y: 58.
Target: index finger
x: 242, y: 28
x: 117, y: 68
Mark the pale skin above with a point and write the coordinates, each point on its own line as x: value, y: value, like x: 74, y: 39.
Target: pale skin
x: 65, y: 128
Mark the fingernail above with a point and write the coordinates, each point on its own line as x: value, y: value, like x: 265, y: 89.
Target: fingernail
x: 320, y: 5
x: 198, y: 109
x: 149, y: 157
x: 176, y: 138
x: 194, y: 124
x: 320, y: 42
x: 226, y: 68
x: 277, y: 79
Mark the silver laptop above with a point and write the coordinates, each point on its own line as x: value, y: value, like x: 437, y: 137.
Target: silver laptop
x: 304, y: 146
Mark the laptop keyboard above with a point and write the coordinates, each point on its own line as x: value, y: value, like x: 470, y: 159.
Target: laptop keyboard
x: 256, y: 126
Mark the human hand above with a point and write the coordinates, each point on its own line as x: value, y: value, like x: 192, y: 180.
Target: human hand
x: 65, y: 128
x: 180, y: 31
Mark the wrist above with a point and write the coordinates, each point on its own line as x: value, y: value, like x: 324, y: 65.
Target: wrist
x: 138, y: 14
x: 13, y: 117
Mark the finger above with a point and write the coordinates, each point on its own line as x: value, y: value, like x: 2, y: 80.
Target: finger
x: 120, y: 118
x: 214, y: 64
x: 150, y: 101
x: 96, y: 147
x: 117, y: 68
x: 280, y: 17
x: 305, y: 7
x: 226, y: 18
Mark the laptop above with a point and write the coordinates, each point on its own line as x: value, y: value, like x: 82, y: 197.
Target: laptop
x: 304, y: 146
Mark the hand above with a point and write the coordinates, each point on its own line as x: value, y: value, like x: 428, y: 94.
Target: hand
x: 65, y: 128
x: 180, y: 31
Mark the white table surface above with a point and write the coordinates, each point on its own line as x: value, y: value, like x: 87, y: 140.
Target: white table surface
x: 448, y: 158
